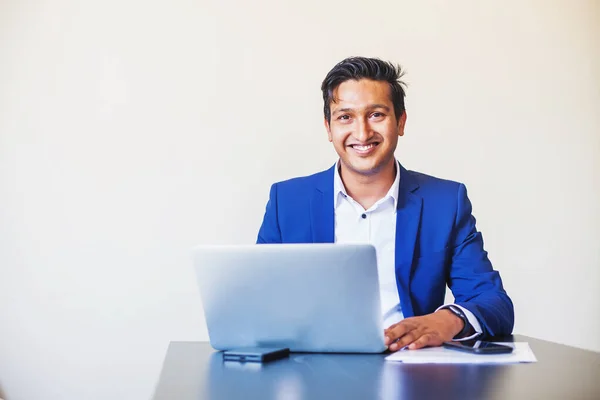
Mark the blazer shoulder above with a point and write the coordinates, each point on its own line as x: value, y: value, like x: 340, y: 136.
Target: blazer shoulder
x: 429, y: 184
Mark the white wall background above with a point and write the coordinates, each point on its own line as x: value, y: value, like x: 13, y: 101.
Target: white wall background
x: 131, y: 131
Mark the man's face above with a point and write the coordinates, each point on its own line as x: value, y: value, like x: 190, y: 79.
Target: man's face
x: 363, y: 128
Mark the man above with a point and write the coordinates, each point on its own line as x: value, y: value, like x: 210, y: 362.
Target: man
x: 422, y: 228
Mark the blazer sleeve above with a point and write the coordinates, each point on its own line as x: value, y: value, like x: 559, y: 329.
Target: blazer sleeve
x: 269, y: 231
x: 474, y: 283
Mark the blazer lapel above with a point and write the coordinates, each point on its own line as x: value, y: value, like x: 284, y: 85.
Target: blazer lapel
x: 321, y: 209
x: 408, y: 218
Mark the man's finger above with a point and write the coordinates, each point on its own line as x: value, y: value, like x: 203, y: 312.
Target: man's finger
x: 397, y: 331
x: 389, y: 328
x: 405, y: 340
x: 421, y: 342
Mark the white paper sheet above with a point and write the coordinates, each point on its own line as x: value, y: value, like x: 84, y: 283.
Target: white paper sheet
x: 438, y: 355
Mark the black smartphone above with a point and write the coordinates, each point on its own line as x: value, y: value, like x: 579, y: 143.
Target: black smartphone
x: 255, y: 354
x: 478, y: 347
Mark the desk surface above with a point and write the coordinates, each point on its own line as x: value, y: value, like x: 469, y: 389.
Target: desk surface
x: 193, y: 370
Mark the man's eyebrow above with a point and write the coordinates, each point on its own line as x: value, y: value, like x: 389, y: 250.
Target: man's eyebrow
x: 339, y: 110
x: 372, y: 106
x: 369, y: 107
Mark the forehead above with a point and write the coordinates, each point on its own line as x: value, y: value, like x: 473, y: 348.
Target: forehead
x: 360, y: 93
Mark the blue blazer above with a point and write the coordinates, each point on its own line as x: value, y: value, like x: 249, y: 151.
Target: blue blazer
x: 437, y: 242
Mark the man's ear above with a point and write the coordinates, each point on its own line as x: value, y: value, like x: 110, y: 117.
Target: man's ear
x: 328, y: 128
x: 401, y: 123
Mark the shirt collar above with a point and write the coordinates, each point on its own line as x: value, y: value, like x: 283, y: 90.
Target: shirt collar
x: 339, y: 190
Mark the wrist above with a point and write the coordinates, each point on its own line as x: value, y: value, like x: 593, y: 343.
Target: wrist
x: 456, y: 323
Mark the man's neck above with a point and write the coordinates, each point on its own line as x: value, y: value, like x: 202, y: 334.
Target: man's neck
x: 366, y: 190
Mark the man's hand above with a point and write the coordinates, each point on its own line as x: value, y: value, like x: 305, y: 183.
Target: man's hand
x: 427, y: 330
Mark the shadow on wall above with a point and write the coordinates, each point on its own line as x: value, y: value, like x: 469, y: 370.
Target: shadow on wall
x: 2, y: 396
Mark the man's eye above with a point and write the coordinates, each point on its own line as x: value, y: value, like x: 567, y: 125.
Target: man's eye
x: 377, y: 114
x: 344, y: 117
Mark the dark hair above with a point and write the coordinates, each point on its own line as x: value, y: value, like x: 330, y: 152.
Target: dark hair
x: 364, y: 68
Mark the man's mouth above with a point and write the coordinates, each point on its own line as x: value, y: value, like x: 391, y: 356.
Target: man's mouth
x: 364, y: 149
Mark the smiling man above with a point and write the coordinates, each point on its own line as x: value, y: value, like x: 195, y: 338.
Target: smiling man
x: 421, y: 226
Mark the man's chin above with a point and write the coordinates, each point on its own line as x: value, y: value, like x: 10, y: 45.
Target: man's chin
x: 364, y: 167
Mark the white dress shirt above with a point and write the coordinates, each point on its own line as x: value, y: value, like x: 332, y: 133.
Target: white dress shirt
x: 377, y: 226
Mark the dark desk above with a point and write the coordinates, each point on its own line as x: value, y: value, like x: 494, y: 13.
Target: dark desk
x: 192, y: 370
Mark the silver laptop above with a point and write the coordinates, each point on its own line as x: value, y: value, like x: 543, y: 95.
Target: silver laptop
x: 307, y: 297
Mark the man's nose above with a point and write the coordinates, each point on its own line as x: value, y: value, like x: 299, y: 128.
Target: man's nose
x: 363, y: 131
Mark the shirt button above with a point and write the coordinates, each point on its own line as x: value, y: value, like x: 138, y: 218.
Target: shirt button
x: 364, y: 216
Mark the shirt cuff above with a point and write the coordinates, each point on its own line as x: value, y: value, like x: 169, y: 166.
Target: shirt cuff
x: 472, y: 320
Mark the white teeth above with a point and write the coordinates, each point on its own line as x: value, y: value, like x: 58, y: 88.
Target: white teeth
x: 363, y: 148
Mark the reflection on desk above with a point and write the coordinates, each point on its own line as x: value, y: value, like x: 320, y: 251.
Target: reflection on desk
x: 323, y: 376
x: 193, y: 370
